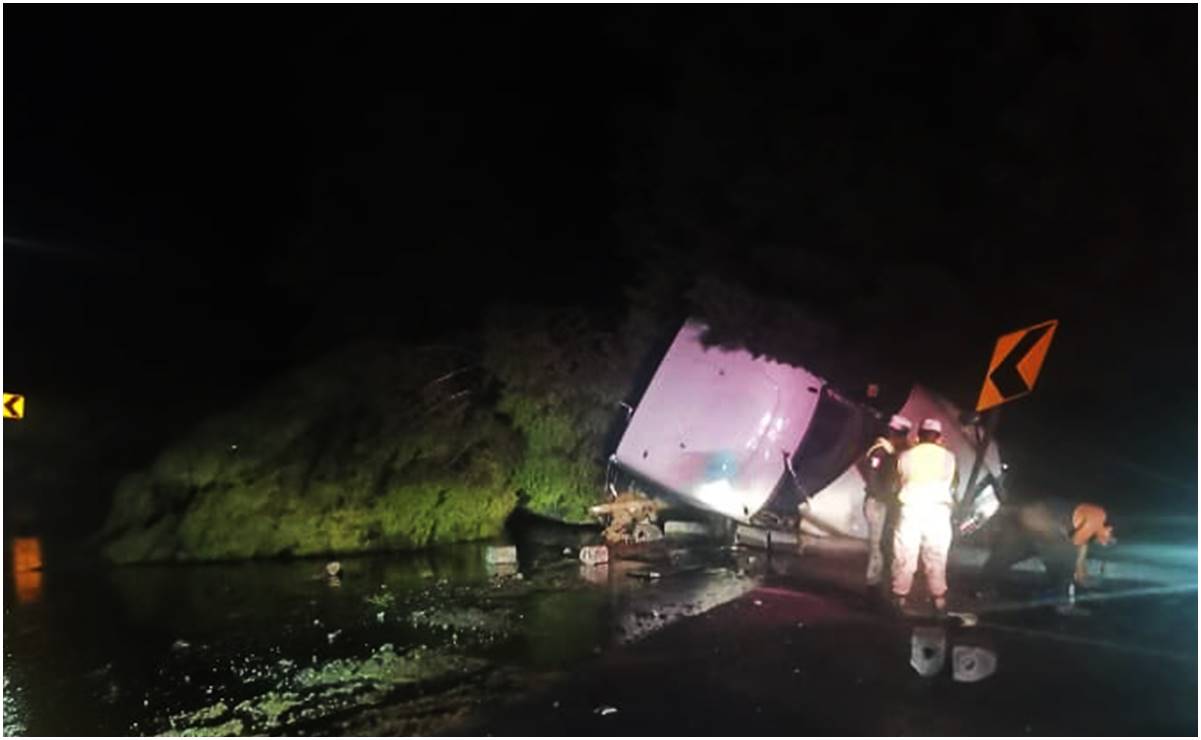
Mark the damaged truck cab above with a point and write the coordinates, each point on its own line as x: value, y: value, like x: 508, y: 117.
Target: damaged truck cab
x: 767, y: 444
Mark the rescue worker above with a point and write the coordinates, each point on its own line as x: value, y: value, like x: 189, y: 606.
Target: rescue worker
x: 928, y: 478
x: 879, y: 470
x: 1051, y: 529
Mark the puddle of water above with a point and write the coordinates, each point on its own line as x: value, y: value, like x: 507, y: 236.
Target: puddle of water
x: 121, y: 651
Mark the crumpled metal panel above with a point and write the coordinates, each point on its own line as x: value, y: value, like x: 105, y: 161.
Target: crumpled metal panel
x: 837, y: 509
x: 714, y: 424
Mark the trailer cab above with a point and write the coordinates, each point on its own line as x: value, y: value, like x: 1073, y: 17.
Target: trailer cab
x: 770, y: 444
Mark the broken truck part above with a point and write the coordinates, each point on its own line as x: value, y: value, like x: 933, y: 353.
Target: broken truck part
x: 766, y: 443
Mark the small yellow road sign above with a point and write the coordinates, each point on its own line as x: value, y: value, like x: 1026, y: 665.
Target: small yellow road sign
x: 1016, y: 362
x: 14, y: 406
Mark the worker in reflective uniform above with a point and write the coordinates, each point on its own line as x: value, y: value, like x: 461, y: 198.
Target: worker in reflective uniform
x: 928, y: 477
x: 879, y: 470
x: 1055, y: 531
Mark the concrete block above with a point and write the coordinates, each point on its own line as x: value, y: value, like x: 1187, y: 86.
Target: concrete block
x: 686, y: 529
x: 756, y: 537
x: 647, y: 532
x: 501, y: 555
x: 595, y: 555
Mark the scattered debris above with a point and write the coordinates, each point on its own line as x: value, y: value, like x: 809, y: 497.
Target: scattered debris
x: 928, y: 651
x: 650, y: 575
x: 625, y: 513
x: 678, y: 529
x: 180, y: 644
x: 475, y: 623
x: 605, y: 710
x: 383, y: 600
x: 323, y: 691
x: 503, y: 570
x: 970, y: 664
x: 646, y: 532
x: 333, y: 636
x: 594, y: 555
x: 966, y: 619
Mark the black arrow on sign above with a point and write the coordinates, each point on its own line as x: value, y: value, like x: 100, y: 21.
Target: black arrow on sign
x: 1006, y: 377
x: 11, y: 407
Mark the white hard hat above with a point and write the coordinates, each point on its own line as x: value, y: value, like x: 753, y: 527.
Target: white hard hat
x: 931, y: 425
x: 900, y: 422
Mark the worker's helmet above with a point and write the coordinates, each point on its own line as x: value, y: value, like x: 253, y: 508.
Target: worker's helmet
x: 931, y: 425
x: 900, y: 423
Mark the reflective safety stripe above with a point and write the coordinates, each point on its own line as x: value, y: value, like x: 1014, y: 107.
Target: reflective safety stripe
x: 927, y: 472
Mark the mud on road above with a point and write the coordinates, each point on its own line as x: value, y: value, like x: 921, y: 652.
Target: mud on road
x: 662, y: 640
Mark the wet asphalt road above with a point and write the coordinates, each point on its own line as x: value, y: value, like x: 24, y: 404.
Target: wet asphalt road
x: 720, y: 642
x: 787, y: 661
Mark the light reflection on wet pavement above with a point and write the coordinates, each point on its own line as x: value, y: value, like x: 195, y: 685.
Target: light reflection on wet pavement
x: 281, y: 647
x: 433, y: 642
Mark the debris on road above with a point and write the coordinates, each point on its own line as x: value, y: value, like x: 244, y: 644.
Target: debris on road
x: 625, y: 513
x: 297, y: 698
x: 501, y: 555
x: 970, y: 663
x: 681, y: 530
x: 966, y: 619
x: 594, y: 555
x: 647, y: 532
x: 928, y: 651
x: 649, y: 575
x: 503, y: 570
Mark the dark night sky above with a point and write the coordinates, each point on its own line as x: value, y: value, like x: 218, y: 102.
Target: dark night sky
x: 196, y: 198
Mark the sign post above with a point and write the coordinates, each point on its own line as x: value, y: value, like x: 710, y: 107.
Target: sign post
x: 1016, y: 362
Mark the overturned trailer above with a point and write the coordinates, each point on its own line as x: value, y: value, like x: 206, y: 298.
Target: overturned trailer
x: 775, y: 446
